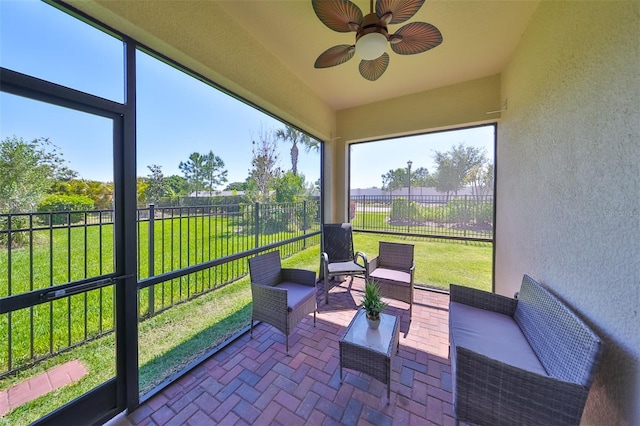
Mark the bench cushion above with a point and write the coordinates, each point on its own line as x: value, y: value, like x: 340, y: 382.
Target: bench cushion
x: 400, y: 277
x: 344, y: 267
x: 297, y: 293
x: 494, y: 335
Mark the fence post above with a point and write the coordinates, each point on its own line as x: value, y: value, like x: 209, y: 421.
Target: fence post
x: 256, y: 219
x: 152, y: 257
x: 304, y: 223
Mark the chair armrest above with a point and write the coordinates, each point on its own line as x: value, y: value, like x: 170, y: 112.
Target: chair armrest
x: 324, y: 265
x: 482, y: 299
x: 372, y: 265
x: 299, y: 276
x: 516, y: 396
x: 363, y: 257
x: 268, y: 299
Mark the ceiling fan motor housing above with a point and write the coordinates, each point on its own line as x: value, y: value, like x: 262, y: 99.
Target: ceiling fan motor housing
x: 372, y: 24
x: 371, y: 38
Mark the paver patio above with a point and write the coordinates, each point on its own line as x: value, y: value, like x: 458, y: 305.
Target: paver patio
x: 253, y: 381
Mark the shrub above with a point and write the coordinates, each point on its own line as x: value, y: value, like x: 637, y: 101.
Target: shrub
x: 404, y: 212
x: 65, y: 203
x: 19, y: 230
x: 399, y: 210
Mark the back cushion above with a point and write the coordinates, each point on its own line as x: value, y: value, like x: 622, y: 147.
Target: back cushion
x: 395, y: 255
x: 565, y: 345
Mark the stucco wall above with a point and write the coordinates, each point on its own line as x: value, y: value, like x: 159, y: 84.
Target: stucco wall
x: 568, y: 176
x: 450, y: 106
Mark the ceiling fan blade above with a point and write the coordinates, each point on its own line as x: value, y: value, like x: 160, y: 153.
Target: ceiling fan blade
x: 401, y: 10
x: 416, y: 37
x: 335, y: 55
x: 339, y: 15
x: 372, y: 70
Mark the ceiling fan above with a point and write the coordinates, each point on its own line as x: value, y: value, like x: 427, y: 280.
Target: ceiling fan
x: 372, y: 34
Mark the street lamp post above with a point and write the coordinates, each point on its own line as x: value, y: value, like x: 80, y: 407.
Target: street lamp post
x: 409, y: 164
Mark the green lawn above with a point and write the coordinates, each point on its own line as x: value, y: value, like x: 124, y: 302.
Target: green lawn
x: 440, y: 262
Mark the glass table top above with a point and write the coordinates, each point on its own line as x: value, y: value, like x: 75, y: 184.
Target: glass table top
x: 378, y: 340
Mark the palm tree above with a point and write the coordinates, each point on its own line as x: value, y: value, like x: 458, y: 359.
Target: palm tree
x: 295, y: 136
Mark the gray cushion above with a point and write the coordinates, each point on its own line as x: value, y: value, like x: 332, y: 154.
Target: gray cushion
x: 391, y: 275
x: 491, y: 334
x: 297, y: 293
x: 344, y: 268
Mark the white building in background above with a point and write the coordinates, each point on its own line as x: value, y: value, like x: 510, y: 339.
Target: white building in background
x: 415, y: 191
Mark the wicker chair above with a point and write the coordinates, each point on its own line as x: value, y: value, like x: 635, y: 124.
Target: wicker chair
x: 281, y: 297
x: 338, y: 257
x: 393, y: 270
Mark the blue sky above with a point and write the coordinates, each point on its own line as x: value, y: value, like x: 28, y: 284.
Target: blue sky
x: 177, y: 115
x: 371, y: 160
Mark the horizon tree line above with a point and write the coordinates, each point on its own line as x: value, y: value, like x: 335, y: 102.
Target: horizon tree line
x: 32, y: 171
x: 460, y: 166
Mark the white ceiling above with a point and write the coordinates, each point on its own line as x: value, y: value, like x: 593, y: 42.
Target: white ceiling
x: 478, y: 40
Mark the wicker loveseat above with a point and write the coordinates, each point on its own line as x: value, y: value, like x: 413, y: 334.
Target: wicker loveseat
x: 528, y: 360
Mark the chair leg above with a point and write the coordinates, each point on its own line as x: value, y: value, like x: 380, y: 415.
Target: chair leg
x: 286, y: 339
x: 314, y: 318
x: 251, y: 328
x: 326, y: 289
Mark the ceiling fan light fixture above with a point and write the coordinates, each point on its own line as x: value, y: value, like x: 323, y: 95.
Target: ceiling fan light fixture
x: 371, y: 46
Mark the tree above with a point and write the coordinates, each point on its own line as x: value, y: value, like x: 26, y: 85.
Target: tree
x: 156, y: 185
x: 454, y: 166
x: 264, y: 166
x: 295, y: 136
x: 101, y: 193
x: 192, y: 172
x: 396, y: 179
x: 204, y: 172
x: 481, y: 179
x: 177, y: 185
x: 141, y: 189
x: 421, y: 178
x: 289, y: 187
x: 27, y: 171
x: 236, y: 186
x: 212, y: 172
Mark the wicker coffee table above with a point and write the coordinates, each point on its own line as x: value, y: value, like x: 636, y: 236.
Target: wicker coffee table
x: 370, y: 351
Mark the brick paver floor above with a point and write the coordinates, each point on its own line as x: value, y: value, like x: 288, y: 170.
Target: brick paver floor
x: 41, y: 384
x: 253, y: 381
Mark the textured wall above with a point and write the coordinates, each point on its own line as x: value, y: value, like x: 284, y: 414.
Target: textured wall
x: 569, y: 181
x: 446, y: 107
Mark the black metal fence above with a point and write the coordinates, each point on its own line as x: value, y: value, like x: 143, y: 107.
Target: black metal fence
x: 176, y: 238
x: 41, y: 250
x: 438, y: 216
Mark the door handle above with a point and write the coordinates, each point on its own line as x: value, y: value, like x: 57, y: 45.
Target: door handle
x: 81, y: 288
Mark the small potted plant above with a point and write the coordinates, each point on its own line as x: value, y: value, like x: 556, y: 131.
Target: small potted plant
x: 372, y: 304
